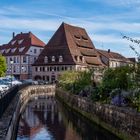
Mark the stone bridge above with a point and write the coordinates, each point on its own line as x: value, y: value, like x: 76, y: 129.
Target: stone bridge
x: 9, y: 119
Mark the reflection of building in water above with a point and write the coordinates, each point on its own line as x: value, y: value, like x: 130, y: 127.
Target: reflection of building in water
x: 41, y: 114
x: 45, y: 119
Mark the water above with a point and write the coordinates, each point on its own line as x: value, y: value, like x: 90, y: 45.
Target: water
x: 48, y: 119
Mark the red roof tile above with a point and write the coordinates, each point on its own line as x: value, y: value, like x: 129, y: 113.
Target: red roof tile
x: 22, y: 40
x: 112, y: 55
x: 70, y: 41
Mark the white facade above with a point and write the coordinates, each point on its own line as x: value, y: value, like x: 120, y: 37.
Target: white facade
x: 22, y: 64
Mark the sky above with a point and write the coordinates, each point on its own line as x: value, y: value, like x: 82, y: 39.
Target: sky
x: 106, y: 21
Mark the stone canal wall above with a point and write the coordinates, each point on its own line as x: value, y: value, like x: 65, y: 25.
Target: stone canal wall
x: 122, y: 122
x: 9, y: 120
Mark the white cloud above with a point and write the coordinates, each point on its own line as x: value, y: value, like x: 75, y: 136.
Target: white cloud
x: 123, y: 3
x: 107, y: 38
x: 30, y: 24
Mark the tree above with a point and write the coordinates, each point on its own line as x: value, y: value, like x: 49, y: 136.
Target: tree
x: 117, y: 78
x: 135, y: 47
x: 2, y: 65
x: 75, y: 81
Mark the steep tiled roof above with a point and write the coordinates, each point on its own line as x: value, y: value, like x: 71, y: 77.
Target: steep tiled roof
x: 70, y: 42
x: 133, y: 60
x: 112, y: 55
x: 20, y: 44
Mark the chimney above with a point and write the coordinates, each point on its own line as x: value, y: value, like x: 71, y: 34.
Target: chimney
x: 108, y: 50
x: 29, y: 34
x: 13, y: 34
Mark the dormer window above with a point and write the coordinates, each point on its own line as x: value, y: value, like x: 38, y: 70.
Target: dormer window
x: 77, y: 37
x: 83, y: 60
x: 20, y: 41
x: 13, y: 42
x: 7, y: 50
x: 21, y: 49
x: 13, y: 50
x: 2, y: 51
x: 85, y: 38
x: 60, y: 58
x: 53, y: 58
x: 45, y: 59
x: 75, y: 58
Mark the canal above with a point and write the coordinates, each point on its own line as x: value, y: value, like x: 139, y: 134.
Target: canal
x: 48, y: 119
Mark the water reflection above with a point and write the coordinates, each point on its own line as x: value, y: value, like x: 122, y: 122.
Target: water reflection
x: 47, y: 119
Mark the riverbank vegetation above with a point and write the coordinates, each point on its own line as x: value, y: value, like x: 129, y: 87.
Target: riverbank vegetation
x: 2, y: 66
x: 119, y: 86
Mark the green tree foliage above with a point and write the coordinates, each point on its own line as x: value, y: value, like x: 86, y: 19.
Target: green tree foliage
x: 120, y: 77
x: 75, y: 81
x: 135, y: 47
x: 117, y: 78
x: 2, y: 66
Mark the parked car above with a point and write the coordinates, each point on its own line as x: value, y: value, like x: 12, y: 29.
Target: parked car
x: 30, y: 81
x: 3, y: 87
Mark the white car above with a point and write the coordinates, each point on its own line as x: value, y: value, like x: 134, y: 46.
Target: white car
x: 4, y: 88
x: 16, y: 82
x: 1, y: 90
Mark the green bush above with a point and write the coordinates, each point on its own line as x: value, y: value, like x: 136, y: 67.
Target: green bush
x: 2, y: 66
x: 75, y: 81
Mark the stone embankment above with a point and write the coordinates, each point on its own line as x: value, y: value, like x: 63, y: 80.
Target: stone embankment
x: 122, y: 122
x: 9, y: 119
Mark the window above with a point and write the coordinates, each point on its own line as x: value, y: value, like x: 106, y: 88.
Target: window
x: 13, y: 50
x: 58, y: 68
x: 50, y: 68
x: 77, y: 37
x: 13, y: 42
x: 35, y: 58
x: 75, y: 58
x: 83, y: 60
x: 20, y: 41
x: 2, y: 51
x: 85, y: 38
x: 53, y: 58
x: 21, y: 49
x: 17, y: 59
x: 14, y: 59
x: 65, y: 67
x: 45, y: 59
x: 62, y: 68
x: 36, y: 69
x: 40, y: 68
x: 60, y: 58
x: 7, y: 50
x: 55, y: 69
x: 48, y: 78
x: 43, y: 69
x: 78, y: 59
x: 43, y: 77
x: 35, y: 50
x: 46, y: 69
x: 24, y: 59
x: 14, y: 69
x: 24, y: 68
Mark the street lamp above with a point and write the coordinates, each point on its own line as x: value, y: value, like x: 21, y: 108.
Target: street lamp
x: 11, y: 62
